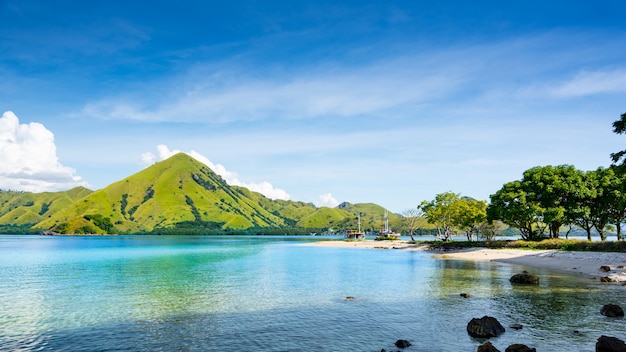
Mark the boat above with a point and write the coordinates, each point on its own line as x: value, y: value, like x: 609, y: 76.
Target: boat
x: 385, y: 232
x: 356, y: 234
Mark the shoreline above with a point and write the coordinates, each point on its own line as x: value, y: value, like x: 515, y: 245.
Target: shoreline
x: 586, y: 263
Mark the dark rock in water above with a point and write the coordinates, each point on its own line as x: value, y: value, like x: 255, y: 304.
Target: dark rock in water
x: 518, y: 347
x: 484, y: 327
x: 524, y: 278
x: 516, y: 326
x: 465, y: 295
x: 606, y: 279
x: 605, y: 268
x: 610, y: 344
x: 402, y: 343
x: 612, y: 310
x: 487, y: 347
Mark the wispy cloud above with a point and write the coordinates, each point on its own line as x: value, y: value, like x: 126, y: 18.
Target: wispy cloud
x: 219, y: 94
x: 28, y: 160
x: 591, y: 83
x: 444, y: 81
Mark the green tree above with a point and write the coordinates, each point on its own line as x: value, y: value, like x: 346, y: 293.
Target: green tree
x: 470, y: 216
x: 490, y: 229
x: 554, y: 190
x: 603, y: 181
x: 617, y: 192
x: 441, y: 213
x: 512, y: 206
x: 619, y: 127
x: 581, y: 213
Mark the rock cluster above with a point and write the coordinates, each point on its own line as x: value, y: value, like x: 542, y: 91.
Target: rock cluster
x: 487, y: 327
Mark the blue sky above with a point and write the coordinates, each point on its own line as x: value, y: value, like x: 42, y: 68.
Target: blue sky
x: 388, y: 102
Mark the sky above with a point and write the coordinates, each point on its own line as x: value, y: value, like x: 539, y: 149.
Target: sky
x: 388, y: 102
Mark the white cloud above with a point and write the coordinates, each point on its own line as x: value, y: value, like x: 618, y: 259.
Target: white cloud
x: 265, y: 188
x: 327, y: 200
x: 345, y: 92
x: 28, y: 160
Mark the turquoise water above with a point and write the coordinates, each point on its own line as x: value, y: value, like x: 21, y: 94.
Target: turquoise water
x: 273, y: 294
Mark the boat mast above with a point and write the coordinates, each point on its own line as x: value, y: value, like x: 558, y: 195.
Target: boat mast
x: 386, y: 222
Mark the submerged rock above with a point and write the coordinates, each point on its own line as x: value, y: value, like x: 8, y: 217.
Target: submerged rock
x: 518, y: 347
x: 612, y: 310
x: 484, y: 327
x: 487, y: 347
x: 465, y: 295
x: 610, y: 344
x: 605, y: 268
x: 516, y: 326
x: 402, y: 343
x: 524, y: 278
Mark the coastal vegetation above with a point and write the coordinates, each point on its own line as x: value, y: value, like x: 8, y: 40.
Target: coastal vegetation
x: 546, y: 244
x: 547, y: 202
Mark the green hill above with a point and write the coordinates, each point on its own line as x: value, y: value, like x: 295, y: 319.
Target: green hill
x: 177, y: 195
x: 175, y: 192
x: 26, y: 208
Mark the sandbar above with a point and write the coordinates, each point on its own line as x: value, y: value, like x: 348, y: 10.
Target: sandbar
x: 586, y: 263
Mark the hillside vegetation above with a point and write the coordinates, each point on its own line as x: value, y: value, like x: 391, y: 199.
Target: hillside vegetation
x: 177, y: 195
x: 25, y: 209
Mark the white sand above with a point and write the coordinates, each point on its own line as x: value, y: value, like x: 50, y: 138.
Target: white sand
x: 587, y: 263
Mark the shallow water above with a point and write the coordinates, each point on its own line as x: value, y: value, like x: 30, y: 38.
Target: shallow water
x: 271, y: 294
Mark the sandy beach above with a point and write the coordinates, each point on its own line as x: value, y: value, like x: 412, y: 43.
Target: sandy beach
x: 587, y: 263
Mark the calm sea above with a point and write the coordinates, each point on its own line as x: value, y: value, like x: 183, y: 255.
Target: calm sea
x: 273, y: 294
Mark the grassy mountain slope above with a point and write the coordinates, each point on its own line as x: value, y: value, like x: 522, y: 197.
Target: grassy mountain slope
x: 346, y: 216
x: 164, y: 195
x: 290, y: 211
x: 25, y: 208
x: 323, y: 217
x: 178, y: 193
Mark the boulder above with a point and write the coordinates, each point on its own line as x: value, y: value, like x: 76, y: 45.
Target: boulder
x: 465, y: 295
x: 518, y: 347
x: 484, y: 327
x: 516, y: 326
x: 612, y: 310
x: 402, y: 344
x: 610, y: 344
x: 524, y: 278
x: 607, y: 279
x: 487, y: 347
x: 605, y: 268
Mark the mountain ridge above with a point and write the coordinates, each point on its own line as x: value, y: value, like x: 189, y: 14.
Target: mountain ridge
x: 177, y: 193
